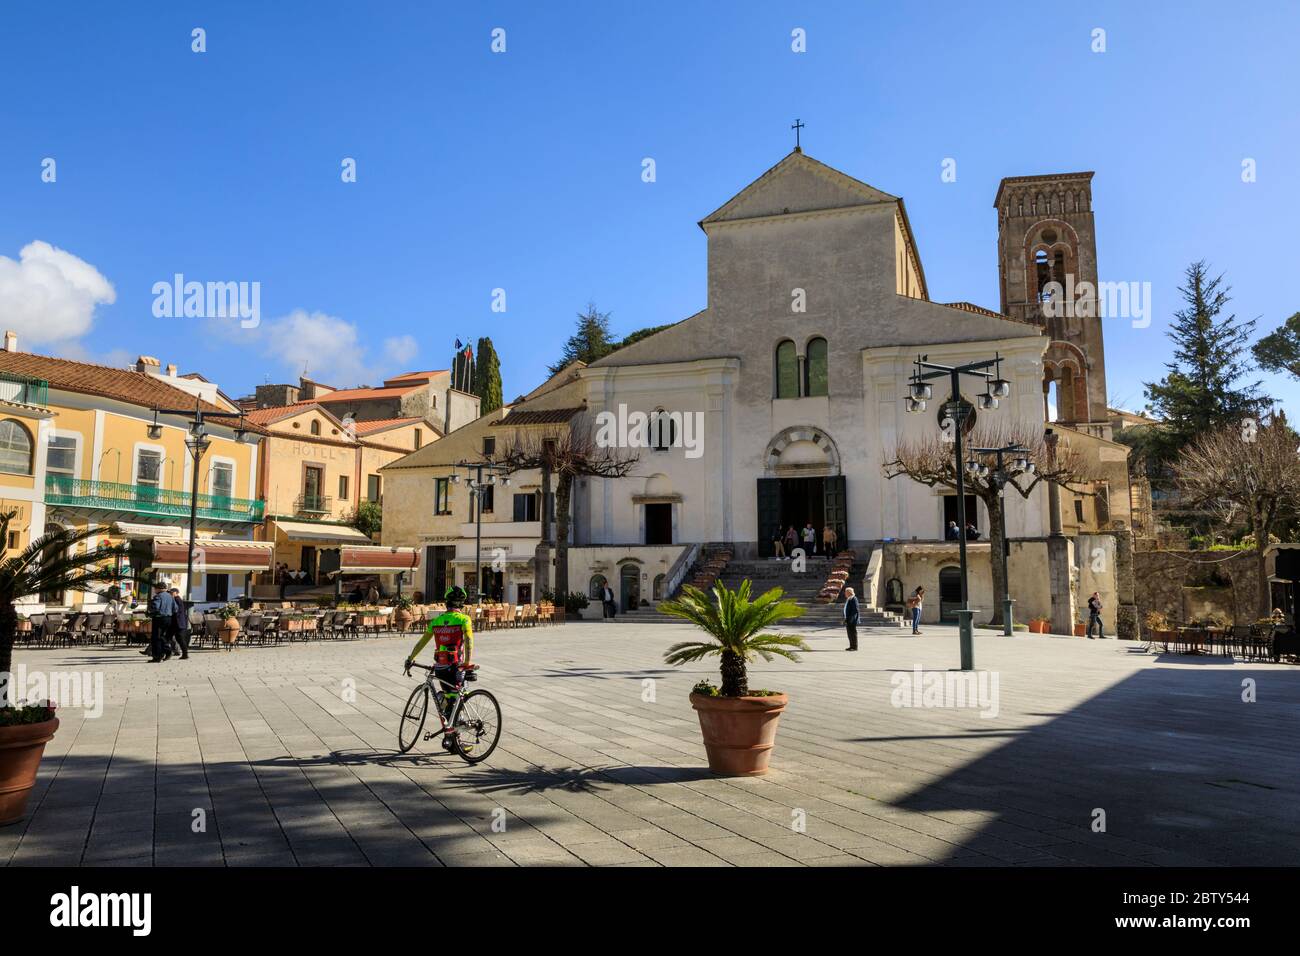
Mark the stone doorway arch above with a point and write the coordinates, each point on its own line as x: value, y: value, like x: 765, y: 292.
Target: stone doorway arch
x: 801, y: 451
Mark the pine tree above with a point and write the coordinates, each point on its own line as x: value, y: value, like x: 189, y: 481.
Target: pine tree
x: 487, y: 377
x: 590, y: 342
x: 1203, y: 389
x: 1279, y: 351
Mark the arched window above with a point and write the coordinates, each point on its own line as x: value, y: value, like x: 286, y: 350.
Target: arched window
x: 663, y: 430
x: 816, y: 381
x: 595, y: 587
x: 657, y: 594
x: 1042, y: 273
x: 787, y: 371
x: 315, y: 427
x: 15, y: 448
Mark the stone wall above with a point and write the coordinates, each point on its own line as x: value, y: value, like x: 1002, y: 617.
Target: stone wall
x: 1178, y: 584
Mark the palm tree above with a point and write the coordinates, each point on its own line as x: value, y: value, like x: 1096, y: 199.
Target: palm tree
x: 734, y: 622
x: 48, y: 564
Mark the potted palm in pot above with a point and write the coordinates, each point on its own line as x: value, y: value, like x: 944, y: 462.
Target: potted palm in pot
x: 403, y: 615
x: 738, y: 724
x: 229, y: 614
x: 46, y: 564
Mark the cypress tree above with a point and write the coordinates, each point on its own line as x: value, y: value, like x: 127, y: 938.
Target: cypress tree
x: 487, y: 377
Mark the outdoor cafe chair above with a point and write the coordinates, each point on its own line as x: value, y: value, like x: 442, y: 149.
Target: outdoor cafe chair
x: 51, y: 629
x: 252, y: 626
x: 212, y: 630
x: 37, y: 622
x: 94, y: 629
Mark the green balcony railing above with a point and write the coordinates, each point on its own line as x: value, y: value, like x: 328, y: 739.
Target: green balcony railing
x: 146, y: 499
x: 24, y: 389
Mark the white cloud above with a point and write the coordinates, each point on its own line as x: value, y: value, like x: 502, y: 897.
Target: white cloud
x: 49, y: 295
x: 323, y: 347
x: 401, y: 350
x: 114, y: 358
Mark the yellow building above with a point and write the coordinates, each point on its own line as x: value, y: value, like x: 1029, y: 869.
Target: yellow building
x: 316, y: 470
x: 79, y: 447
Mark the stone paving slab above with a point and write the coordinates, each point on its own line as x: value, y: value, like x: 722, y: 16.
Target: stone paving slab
x: 271, y: 756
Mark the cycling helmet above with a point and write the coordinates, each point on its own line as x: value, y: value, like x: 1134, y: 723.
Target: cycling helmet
x: 455, y: 595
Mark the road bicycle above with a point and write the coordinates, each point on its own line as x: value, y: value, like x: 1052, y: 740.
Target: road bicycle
x: 470, y: 722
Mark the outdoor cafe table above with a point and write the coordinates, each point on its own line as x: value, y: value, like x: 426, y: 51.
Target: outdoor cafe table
x: 132, y: 627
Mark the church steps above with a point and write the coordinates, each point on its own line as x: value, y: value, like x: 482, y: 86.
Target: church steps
x: 716, y: 564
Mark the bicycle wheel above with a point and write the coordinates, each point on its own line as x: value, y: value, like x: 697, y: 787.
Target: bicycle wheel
x: 478, y: 726
x: 417, y: 709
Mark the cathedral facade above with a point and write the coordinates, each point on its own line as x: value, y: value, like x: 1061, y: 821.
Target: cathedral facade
x: 797, y: 369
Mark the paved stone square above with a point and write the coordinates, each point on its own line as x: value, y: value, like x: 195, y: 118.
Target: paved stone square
x: 597, y: 766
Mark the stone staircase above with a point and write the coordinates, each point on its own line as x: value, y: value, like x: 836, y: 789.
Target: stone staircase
x: 804, y: 588
x: 716, y: 563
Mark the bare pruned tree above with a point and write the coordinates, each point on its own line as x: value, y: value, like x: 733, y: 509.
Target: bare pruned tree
x: 931, y: 462
x: 564, y: 451
x: 1248, y: 477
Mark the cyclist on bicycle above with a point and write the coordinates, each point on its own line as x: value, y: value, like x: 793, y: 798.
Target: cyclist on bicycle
x: 455, y: 645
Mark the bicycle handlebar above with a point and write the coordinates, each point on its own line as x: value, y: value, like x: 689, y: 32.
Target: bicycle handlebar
x: 426, y: 667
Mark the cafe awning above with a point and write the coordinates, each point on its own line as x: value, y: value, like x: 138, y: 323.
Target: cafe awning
x: 377, y: 559
x: 213, y: 555
x: 309, y: 531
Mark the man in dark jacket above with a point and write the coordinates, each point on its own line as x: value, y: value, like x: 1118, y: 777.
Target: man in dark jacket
x: 1094, y: 615
x: 162, y: 613
x: 181, y: 625
x: 851, y: 618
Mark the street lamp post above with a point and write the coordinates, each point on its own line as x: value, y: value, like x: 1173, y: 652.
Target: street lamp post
x: 920, y: 391
x: 197, y: 443
x: 480, y: 476
x: 1001, y: 474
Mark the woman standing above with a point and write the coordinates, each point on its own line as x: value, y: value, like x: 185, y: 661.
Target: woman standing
x: 914, y: 605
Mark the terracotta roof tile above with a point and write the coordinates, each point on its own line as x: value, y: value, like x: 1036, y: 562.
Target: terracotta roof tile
x: 541, y: 416
x: 380, y: 424
x: 123, y: 385
x: 360, y: 394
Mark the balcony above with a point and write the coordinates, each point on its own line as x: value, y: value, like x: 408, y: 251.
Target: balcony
x: 146, y: 500
x: 313, y: 505
x: 24, y: 390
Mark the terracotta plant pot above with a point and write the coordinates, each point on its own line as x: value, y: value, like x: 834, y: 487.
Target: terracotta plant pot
x: 403, y: 618
x: 1038, y: 627
x: 739, y: 732
x: 1080, y: 630
x: 230, y: 630
x: 21, y: 748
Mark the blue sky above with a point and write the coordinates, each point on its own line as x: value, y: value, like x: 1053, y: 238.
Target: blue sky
x: 522, y: 170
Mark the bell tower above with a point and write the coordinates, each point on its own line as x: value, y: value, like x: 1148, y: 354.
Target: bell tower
x: 1047, y: 267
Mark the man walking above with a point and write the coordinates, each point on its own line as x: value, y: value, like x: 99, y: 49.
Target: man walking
x: 809, y: 540
x: 851, y: 618
x: 1094, y: 614
x: 830, y: 541
x: 607, y: 600
x: 162, y: 612
x: 181, y: 625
